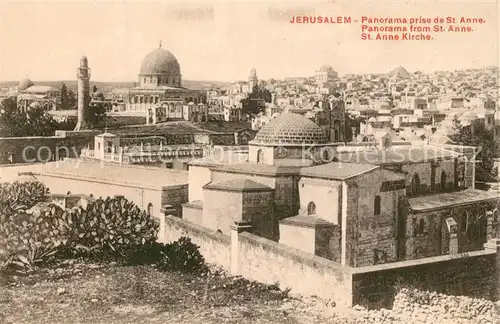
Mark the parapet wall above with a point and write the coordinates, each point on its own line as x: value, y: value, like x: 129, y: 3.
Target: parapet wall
x: 215, y: 247
x: 471, y: 274
x: 263, y: 260
x: 269, y: 262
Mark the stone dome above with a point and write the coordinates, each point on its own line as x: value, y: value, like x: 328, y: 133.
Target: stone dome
x: 290, y: 128
x: 160, y: 62
x: 25, y: 84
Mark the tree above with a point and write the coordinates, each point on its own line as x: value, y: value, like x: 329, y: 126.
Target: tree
x: 12, y: 121
x: 253, y: 104
x: 71, y: 99
x: 35, y: 122
x: 64, y: 96
x: 94, y: 115
x: 477, y: 135
x: 68, y: 98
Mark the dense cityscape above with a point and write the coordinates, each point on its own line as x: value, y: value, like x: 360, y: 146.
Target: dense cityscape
x: 353, y: 184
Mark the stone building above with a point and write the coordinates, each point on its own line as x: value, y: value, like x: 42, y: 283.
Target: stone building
x: 31, y: 96
x: 358, y: 206
x: 325, y: 75
x: 153, y: 151
x: 160, y: 84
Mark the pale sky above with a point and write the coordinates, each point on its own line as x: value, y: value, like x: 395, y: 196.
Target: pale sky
x: 44, y: 41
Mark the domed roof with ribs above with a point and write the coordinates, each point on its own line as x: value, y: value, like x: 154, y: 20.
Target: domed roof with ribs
x: 292, y: 129
x: 160, y: 62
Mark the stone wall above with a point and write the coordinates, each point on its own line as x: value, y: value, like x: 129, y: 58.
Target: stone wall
x: 373, y: 235
x: 258, y: 207
x: 198, y: 176
x: 429, y: 236
x: 221, y: 209
x: 39, y: 149
x: 193, y: 213
x: 423, y: 169
x: 266, y: 261
x: 270, y: 262
x: 470, y: 275
x: 286, y: 194
x: 215, y: 247
x: 322, y: 193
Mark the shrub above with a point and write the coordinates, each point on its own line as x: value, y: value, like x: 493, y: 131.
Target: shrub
x: 110, y: 227
x: 182, y: 255
x: 32, y: 238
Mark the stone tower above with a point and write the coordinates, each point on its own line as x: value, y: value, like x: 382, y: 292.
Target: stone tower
x: 252, y: 79
x: 83, y: 75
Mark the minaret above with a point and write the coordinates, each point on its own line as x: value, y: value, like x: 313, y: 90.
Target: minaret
x: 252, y: 79
x: 83, y: 76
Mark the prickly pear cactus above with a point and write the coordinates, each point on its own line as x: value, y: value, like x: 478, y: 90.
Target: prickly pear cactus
x: 29, y: 239
x: 18, y: 196
x: 111, y: 223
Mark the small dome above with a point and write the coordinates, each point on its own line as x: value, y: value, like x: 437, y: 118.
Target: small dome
x: 290, y: 128
x: 160, y: 62
x: 372, y: 120
x: 25, y: 84
x: 35, y: 105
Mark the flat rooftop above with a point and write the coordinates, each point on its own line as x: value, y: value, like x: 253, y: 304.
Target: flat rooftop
x: 456, y: 198
x: 344, y: 171
x: 141, y: 177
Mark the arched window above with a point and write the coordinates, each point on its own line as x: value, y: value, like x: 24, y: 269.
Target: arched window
x: 260, y: 156
x: 376, y: 205
x: 415, y: 185
x: 311, y: 208
x: 443, y: 180
x: 150, y: 209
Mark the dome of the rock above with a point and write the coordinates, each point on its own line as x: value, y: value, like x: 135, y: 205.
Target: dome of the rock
x: 160, y: 62
x: 291, y: 128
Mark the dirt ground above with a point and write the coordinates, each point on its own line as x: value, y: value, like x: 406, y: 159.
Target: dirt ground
x: 75, y: 292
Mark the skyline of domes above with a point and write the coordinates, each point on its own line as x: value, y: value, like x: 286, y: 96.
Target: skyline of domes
x: 290, y: 128
x: 160, y: 62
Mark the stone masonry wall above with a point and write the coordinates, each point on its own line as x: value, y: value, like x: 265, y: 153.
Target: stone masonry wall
x: 470, y: 275
x: 430, y: 237
x: 221, y: 209
x: 215, y: 247
x: 374, y: 235
x: 269, y: 262
x: 423, y: 170
x: 258, y: 208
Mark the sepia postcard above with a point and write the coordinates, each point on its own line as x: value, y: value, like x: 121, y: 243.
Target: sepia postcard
x: 249, y: 162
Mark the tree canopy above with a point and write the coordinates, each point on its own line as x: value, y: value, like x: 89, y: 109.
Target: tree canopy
x: 35, y: 122
x: 477, y: 135
x: 254, y: 103
x: 68, y: 98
